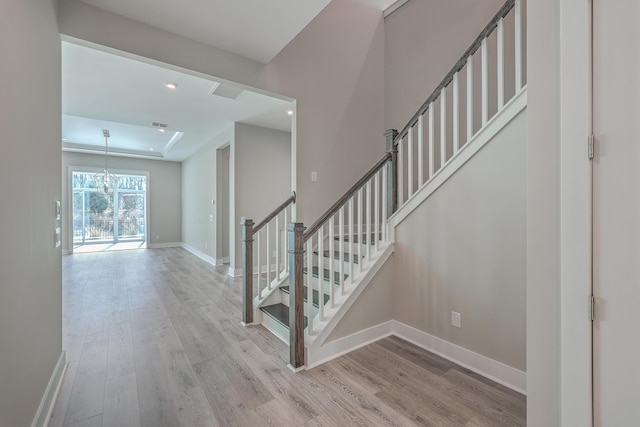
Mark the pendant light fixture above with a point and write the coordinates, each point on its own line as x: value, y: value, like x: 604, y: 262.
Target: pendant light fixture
x: 105, y: 181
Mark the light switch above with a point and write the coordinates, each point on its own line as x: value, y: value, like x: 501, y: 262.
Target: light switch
x: 314, y: 176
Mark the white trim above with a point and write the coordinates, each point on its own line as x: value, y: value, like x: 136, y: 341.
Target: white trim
x: 43, y: 414
x: 225, y: 260
x: 276, y: 328
x: 164, y: 245
x: 235, y: 272
x: 344, y: 345
x: 66, y: 252
x: 479, y: 140
x: 483, y: 365
x: 395, y: 6
x: 200, y: 254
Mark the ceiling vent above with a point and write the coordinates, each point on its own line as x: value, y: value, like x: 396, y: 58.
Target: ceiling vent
x: 225, y: 90
x: 159, y: 125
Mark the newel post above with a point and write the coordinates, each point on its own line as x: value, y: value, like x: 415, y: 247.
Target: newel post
x: 295, y: 231
x: 247, y: 268
x: 392, y: 172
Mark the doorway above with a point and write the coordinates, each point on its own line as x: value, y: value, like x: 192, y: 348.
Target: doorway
x: 108, y: 221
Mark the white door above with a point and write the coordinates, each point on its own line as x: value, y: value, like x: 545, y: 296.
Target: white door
x: 617, y: 213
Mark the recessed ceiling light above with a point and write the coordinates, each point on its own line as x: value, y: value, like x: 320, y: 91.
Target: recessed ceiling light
x: 161, y: 129
x: 290, y: 112
x: 65, y: 139
x: 151, y: 149
x: 171, y: 85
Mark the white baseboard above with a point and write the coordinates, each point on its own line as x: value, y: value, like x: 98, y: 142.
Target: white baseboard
x: 164, y: 245
x: 496, y: 371
x: 330, y: 350
x: 200, y: 254
x: 488, y: 368
x: 43, y: 414
x: 235, y: 272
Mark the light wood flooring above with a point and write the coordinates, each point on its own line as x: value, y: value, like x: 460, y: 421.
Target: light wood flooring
x: 153, y: 338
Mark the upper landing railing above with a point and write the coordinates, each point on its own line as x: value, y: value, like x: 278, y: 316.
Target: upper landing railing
x: 463, y: 102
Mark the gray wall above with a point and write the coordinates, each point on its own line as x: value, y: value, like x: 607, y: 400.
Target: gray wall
x: 463, y: 250
x: 164, y: 192
x: 334, y: 69
x: 199, y: 188
x: 30, y: 264
x: 261, y: 167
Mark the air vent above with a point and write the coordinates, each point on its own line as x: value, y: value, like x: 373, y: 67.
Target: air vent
x: 159, y: 125
x: 225, y: 91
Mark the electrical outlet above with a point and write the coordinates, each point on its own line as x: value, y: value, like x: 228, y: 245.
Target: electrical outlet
x: 314, y: 176
x: 206, y: 245
x: 456, y: 319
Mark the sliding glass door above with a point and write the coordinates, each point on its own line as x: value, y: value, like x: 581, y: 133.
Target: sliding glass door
x: 119, y: 215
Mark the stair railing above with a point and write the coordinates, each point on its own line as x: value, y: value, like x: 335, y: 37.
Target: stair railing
x: 432, y: 138
x: 270, y: 254
x: 356, y: 223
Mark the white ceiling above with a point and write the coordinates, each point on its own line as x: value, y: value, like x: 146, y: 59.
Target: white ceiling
x: 102, y: 90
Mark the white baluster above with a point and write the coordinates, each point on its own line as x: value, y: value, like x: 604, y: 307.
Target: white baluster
x: 400, y: 173
x: 331, y: 242
x: 384, y: 204
x: 286, y: 243
x: 359, y: 237
x: 443, y: 127
x: 518, y: 42
x: 309, y: 285
x: 367, y: 239
x: 469, y: 98
x: 456, y: 114
x: 351, y: 234
x: 278, y: 237
x: 341, y: 247
x: 500, y: 48
x: 268, y: 259
x: 431, y: 142
x: 376, y: 204
x: 485, y: 80
x: 410, y: 163
x: 420, y: 150
x: 259, y: 264
x: 320, y: 273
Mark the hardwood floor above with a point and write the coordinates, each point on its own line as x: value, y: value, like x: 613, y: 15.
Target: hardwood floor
x: 153, y: 338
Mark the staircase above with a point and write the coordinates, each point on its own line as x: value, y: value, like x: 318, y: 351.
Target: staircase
x: 300, y: 282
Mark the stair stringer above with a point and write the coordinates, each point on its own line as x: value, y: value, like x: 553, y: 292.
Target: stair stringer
x: 315, y: 344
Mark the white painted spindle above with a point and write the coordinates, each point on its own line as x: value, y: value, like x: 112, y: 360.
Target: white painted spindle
x: 320, y: 274
x: 268, y: 259
x: 456, y: 114
x: 469, y: 98
x: 410, y: 163
x: 309, y: 286
x: 443, y: 127
x: 359, y: 236
x: 431, y: 142
x: 278, y: 237
x: 420, y: 150
x: 485, y: 80
x: 350, y: 239
x: 518, y: 43
x: 400, y: 172
x: 367, y: 239
x: 500, y: 54
x: 376, y: 204
x: 341, y: 247
x: 286, y: 243
x: 259, y: 263
x: 331, y: 242
x: 384, y: 201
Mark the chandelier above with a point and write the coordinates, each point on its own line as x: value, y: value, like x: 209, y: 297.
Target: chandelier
x: 105, y: 181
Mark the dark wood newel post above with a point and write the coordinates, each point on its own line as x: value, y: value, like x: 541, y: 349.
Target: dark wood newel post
x: 247, y: 269
x: 296, y: 294
x: 392, y: 172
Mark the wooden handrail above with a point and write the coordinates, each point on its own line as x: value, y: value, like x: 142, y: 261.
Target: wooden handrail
x: 350, y: 192
x: 504, y: 10
x: 276, y: 211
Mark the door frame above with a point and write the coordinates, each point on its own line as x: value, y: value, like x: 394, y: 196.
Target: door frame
x: 87, y: 169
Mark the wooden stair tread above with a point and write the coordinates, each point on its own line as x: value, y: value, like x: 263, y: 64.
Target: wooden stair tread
x: 280, y: 313
x: 316, y: 294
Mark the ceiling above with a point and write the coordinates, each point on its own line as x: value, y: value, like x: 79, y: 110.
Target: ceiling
x: 102, y: 90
